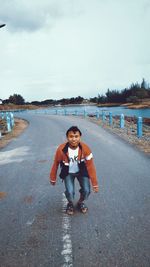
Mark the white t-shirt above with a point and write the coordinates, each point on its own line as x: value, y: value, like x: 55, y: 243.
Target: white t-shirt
x: 73, y: 160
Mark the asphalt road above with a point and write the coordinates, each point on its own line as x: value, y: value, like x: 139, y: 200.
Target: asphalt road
x: 34, y: 228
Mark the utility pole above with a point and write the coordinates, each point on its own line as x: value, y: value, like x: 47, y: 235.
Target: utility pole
x: 2, y: 25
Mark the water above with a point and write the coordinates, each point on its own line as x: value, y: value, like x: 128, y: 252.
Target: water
x: 93, y: 109
x: 145, y: 113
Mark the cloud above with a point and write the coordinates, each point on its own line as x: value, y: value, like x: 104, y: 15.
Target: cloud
x: 33, y: 15
x: 64, y: 48
x: 30, y: 15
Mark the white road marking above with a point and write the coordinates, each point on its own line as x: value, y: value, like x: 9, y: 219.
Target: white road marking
x: 14, y: 155
x: 30, y: 222
x: 66, y: 237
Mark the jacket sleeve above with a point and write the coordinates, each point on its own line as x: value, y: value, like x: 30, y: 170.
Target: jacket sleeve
x: 91, y: 167
x: 54, y: 168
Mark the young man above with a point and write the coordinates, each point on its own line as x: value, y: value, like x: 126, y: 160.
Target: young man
x: 76, y: 161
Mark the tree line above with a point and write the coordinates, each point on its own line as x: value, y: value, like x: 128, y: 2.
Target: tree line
x: 135, y: 93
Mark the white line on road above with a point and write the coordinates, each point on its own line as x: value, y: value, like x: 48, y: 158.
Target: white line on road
x: 14, y: 155
x: 30, y: 222
x: 66, y: 237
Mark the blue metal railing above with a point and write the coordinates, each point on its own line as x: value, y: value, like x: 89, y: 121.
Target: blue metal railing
x: 103, y: 116
x: 9, y: 117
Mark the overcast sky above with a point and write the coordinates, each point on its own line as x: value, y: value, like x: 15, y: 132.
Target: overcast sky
x: 52, y: 49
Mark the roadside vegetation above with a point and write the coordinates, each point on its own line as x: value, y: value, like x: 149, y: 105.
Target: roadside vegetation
x: 136, y: 96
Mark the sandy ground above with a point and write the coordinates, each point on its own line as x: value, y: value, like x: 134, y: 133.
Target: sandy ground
x: 19, y: 127
x: 128, y: 134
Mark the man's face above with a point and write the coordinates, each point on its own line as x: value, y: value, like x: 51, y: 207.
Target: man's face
x: 73, y: 139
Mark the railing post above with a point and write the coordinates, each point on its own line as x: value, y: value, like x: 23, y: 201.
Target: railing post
x: 8, y: 124
x: 85, y: 114
x: 110, y: 118
x: 103, y: 116
x: 139, y: 127
x: 3, y: 116
x: 97, y: 114
x: 122, y: 121
x: 12, y: 119
x: 76, y: 112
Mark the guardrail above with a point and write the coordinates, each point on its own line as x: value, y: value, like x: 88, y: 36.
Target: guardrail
x: 105, y: 118
x: 9, y: 118
x: 135, y: 125
x: 121, y: 122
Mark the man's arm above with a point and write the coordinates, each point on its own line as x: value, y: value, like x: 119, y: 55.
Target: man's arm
x: 54, y: 168
x: 92, y: 174
x: 91, y: 169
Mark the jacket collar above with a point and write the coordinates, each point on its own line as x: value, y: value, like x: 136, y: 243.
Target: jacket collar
x: 65, y: 149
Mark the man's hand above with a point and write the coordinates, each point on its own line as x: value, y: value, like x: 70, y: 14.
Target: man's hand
x: 52, y: 183
x: 95, y: 189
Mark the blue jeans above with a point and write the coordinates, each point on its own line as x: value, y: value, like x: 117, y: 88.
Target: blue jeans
x: 70, y: 186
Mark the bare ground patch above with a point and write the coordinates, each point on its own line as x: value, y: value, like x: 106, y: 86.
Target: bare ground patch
x: 19, y: 127
x: 128, y: 133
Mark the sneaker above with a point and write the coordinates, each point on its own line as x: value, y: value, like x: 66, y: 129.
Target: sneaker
x: 82, y: 207
x: 70, y: 209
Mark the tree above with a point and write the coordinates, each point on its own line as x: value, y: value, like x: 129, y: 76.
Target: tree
x: 79, y: 99
x: 144, y: 84
x: 101, y: 99
x: 94, y: 99
x: 133, y: 99
x: 16, y: 99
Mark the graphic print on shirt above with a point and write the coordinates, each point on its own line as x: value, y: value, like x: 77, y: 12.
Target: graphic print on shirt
x: 73, y: 160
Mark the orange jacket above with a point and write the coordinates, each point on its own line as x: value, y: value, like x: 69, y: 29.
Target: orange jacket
x: 85, y: 162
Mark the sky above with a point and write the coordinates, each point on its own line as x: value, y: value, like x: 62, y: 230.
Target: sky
x: 53, y: 49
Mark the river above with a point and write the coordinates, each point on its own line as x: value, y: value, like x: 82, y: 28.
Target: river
x: 145, y: 113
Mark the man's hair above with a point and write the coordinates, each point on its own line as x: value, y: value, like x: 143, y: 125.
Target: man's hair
x: 73, y: 129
